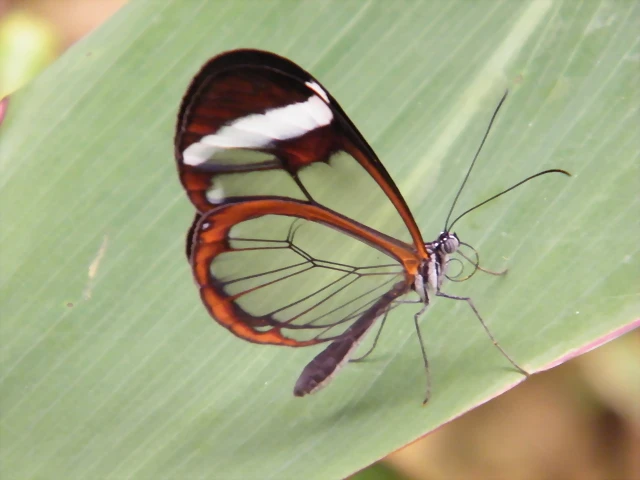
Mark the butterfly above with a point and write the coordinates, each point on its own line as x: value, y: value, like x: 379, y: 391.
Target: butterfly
x: 300, y: 237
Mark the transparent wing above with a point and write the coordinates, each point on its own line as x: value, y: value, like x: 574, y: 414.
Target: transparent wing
x: 254, y: 124
x: 285, y: 272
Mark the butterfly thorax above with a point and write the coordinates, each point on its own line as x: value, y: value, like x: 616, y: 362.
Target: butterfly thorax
x: 434, y: 269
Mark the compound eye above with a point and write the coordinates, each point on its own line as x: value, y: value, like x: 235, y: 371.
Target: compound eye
x: 450, y: 244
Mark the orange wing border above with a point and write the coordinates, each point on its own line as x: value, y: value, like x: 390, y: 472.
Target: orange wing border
x: 211, y: 238
x: 291, y: 155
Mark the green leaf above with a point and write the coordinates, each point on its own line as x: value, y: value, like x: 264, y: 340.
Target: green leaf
x: 111, y: 367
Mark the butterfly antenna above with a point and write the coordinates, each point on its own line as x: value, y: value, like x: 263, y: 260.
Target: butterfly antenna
x: 553, y: 170
x: 447, y: 227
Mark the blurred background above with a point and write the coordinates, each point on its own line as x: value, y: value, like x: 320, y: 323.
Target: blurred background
x: 578, y: 421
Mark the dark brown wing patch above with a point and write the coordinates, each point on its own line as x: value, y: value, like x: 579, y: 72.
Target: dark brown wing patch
x: 242, y: 84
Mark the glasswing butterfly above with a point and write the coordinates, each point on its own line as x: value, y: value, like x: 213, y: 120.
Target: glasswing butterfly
x: 300, y: 235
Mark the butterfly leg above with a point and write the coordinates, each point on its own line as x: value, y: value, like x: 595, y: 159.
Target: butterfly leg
x: 486, y: 329
x: 384, y: 319
x: 416, y: 319
x: 375, y: 340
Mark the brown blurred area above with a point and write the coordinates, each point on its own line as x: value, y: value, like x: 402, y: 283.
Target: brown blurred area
x: 573, y: 422
x: 579, y: 421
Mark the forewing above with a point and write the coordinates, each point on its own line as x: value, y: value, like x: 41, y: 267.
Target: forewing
x: 285, y: 272
x: 254, y: 124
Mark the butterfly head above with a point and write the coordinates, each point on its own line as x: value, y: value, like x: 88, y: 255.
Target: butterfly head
x: 434, y: 270
x: 447, y: 243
